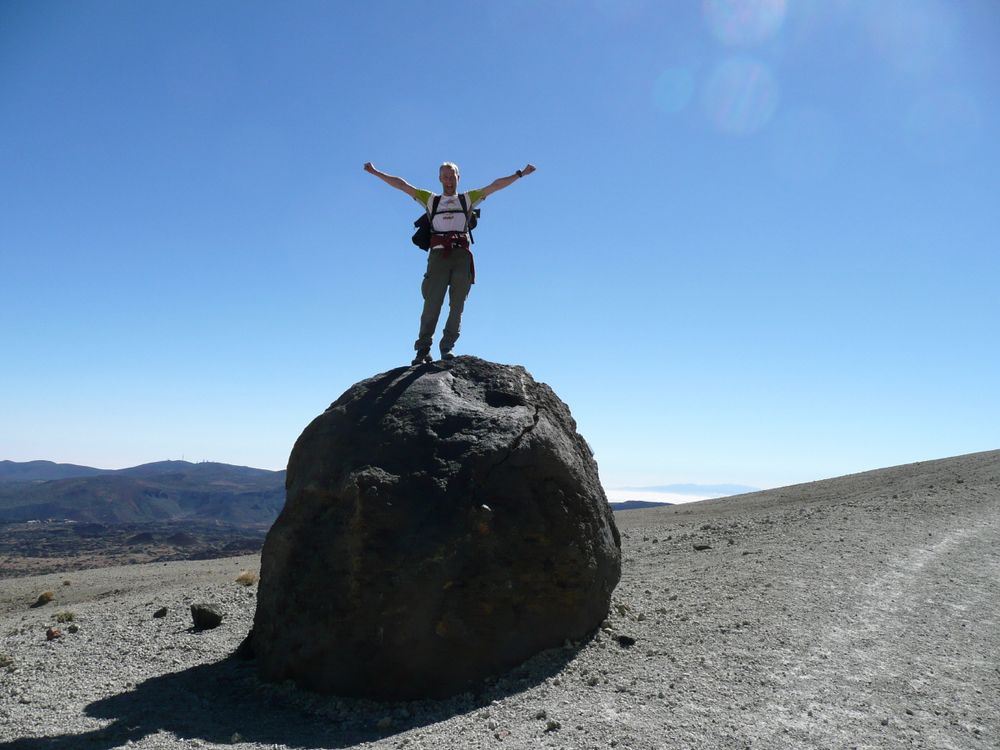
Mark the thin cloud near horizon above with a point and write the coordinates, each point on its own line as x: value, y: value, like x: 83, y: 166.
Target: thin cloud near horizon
x: 693, y: 489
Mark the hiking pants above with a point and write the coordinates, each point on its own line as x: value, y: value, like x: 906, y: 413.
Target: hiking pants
x: 452, y: 274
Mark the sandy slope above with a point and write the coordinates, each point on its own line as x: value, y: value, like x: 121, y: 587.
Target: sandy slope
x: 855, y: 612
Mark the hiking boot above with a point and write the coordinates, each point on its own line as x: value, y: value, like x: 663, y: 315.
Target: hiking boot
x: 423, y: 357
x: 445, y: 356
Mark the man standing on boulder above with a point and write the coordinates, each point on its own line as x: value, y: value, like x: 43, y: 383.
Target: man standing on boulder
x: 450, y: 266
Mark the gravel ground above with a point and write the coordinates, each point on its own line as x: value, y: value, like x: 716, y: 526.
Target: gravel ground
x: 855, y: 612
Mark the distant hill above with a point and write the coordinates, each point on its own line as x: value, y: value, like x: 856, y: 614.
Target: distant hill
x: 162, y: 491
x: 31, y: 471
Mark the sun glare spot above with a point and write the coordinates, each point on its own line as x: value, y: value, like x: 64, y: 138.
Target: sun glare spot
x: 740, y: 96
x: 744, y: 22
x: 673, y: 89
x: 911, y: 35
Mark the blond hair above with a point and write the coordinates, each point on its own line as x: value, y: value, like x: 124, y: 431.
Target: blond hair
x: 450, y: 165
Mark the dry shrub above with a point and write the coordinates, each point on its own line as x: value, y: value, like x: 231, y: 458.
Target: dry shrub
x: 6, y: 662
x: 44, y: 598
x: 247, y: 578
x: 65, y: 617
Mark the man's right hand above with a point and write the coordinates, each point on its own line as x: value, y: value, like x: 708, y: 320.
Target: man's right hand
x: 397, y: 182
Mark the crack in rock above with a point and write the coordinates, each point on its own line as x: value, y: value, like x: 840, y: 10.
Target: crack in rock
x: 515, y: 444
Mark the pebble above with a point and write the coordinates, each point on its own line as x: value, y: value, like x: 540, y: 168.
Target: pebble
x: 206, y: 616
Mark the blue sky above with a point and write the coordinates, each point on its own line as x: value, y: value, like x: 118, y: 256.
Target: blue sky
x: 760, y: 247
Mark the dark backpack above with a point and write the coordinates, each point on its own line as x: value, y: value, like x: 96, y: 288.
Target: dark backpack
x: 422, y: 237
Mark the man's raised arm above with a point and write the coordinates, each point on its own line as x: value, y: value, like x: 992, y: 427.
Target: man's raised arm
x: 502, y: 182
x: 397, y: 182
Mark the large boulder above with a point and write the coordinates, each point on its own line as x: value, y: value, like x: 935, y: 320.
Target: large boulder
x: 442, y: 524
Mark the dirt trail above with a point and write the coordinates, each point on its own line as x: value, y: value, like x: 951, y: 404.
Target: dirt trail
x: 915, y: 646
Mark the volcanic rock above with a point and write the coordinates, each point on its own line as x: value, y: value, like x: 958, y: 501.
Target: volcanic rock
x: 206, y: 616
x: 442, y: 524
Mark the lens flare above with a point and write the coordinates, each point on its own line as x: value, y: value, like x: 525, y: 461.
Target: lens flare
x: 744, y: 22
x: 673, y: 90
x: 912, y: 36
x: 740, y: 96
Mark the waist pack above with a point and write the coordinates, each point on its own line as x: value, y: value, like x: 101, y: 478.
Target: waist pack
x: 449, y: 241
x: 422, y: 237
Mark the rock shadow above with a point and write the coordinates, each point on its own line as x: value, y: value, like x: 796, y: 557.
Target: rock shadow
x: 218, y: 701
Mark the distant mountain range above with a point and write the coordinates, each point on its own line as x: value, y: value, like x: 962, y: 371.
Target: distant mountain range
x: 161, y: 491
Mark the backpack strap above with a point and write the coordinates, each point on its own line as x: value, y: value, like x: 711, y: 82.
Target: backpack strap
x: 433, y: 209
x: 463, y: 198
